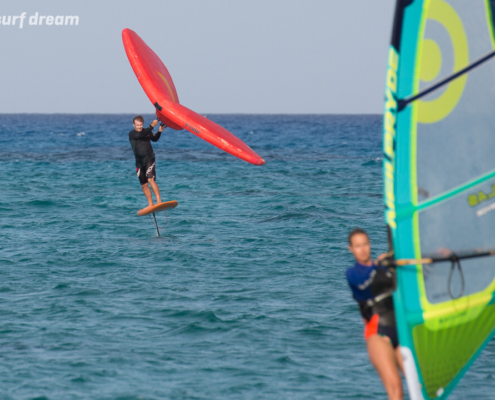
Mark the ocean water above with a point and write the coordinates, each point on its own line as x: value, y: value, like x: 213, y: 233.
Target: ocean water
x: 242, y: 297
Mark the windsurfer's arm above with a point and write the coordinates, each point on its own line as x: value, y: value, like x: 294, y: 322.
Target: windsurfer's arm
x: 386, y: 260
x: 381, y: 257
x: 443, y: 252
x: 358, y: 282
x: 156, y: 136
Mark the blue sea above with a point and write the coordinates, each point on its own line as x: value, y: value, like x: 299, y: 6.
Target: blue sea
x: 242, y: 297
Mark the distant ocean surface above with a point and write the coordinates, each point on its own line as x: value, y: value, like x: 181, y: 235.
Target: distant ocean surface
x: 242, y: 297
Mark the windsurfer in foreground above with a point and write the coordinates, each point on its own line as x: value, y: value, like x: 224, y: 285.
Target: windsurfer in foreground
x: 372, y: 287
x: 145, y: 157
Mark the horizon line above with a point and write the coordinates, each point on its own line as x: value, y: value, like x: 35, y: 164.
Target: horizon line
x: 205, y: 113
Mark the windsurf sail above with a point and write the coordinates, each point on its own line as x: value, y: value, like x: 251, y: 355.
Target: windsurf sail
x: 157, y: 83
x: 439, y: 186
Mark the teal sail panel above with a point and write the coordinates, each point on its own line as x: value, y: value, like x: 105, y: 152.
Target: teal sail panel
x: 439, y: 186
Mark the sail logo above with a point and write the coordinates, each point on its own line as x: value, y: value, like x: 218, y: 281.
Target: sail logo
x: 476, y: 198
x: 431, y: 59
x: 389, y: 126
x: 192, y: 129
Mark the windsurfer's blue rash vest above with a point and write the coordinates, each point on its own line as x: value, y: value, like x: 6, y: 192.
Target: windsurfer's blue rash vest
x: 372, y: 288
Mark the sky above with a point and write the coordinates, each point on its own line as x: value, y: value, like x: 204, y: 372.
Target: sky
x: 225, y: 56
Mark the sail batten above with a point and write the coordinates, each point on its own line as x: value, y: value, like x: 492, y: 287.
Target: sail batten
x: 404, y: 102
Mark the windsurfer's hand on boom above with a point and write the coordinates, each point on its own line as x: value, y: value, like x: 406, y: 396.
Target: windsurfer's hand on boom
x: 386, y: 260
x: 381, y: 257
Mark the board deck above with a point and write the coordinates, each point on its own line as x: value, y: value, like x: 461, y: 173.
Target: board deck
x: 158, y: 207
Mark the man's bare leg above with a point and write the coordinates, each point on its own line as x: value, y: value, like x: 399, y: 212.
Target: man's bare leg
x: 147, y: 193
x: 154, y: 186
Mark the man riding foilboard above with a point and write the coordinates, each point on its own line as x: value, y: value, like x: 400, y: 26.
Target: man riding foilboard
x: 140, y: 140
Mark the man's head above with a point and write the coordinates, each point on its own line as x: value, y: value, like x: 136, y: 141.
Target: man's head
x: 359, y: 246
x: 138, y: 123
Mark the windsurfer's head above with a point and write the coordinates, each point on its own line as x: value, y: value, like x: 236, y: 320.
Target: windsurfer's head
x: 359, y: 246
x: 138, y: 123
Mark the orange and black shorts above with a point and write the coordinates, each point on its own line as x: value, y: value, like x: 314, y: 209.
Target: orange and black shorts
x: 373, y: 327
x: 146, y: 172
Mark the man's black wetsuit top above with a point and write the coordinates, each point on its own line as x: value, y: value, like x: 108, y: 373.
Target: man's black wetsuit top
x: 141, y: 145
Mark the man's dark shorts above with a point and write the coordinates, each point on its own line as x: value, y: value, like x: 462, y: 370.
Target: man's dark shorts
x: 146, y: 172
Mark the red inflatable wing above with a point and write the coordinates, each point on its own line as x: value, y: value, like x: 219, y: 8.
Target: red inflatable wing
x: 160, y: 89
